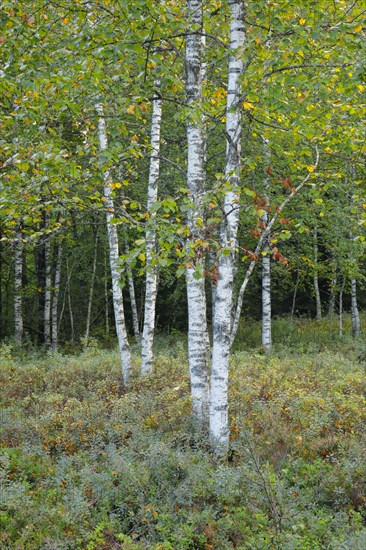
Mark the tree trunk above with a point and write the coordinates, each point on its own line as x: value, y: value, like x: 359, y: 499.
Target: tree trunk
x: 65, y: 293
x: 266, y: 271
x: 55, y: 297
x: 219, y: 425
x: 356, y: 325
x: 69, y: 302
x: 151, y: 289
x: 18, y: 275
x: 196, y: 296
x: 266, y: 301
x: 341, y: 308
x: 316, y: 281
x: 91, y: 291
x: 47, y: 290
x: 106, y: 297
x: 114, y: 262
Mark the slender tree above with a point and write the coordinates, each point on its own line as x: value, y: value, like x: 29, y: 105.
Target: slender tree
x: 151, y: 288
x: 18, y: 274
x: 114, y: 261
x: 219, y: 425
x: 197, y: 316
x: 55, y: 299
x: 316, y: 279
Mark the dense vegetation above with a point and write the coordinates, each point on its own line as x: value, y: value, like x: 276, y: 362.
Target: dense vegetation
x: 172, y: 173
x: 88, y: 463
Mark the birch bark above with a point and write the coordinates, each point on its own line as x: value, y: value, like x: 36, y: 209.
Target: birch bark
x: 55, y: 297
x: 219, y: 425
x: 356, y: 326
x: 197, y: 316
x: 266, y: 300
x: 316, y: 280
x: 151, y: 289
x: 69, y: 301
x: 266, y: 271
x: 47, y: 290
x: 341, y: 308
x: 114, y: 262
x: 18, y: 275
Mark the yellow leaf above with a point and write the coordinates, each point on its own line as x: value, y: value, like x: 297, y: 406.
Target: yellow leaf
x: 142, y: 257
x: 311, y: 167
x: 134, y: 138
x: 302, y: 21
x: 131, y: 109
x: 248, y: 105
x: 358, y: 28
x: 116, y: 185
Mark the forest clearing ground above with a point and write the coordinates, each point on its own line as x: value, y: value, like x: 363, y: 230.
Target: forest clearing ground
x: 86, y: 463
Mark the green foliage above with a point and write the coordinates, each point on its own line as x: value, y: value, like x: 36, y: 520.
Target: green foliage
x: 86, y: 463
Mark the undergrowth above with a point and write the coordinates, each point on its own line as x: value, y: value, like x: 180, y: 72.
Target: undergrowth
x: 87, y: 463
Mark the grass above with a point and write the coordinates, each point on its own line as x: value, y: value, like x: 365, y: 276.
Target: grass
x: 86, y: 463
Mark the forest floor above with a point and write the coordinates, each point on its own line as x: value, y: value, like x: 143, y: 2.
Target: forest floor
x: 86, y: 463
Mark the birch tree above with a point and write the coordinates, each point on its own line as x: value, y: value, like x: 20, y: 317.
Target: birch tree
x: 55, y: 297
x: 266, y: 271
x: 356, y: 326
x: 18, y: 275
x: 197, y: 317
x: 151, y: 289
x: 316, y: 279
x: 114, y: 262
x: 47, y: 288
x: 219, y: 426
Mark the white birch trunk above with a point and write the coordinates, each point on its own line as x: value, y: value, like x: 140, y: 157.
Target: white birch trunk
x: 91, y: 291
x: 356, y: 325
x: 266, y: 272
x: 219, y: 424
x: 18, y: 275
x: 114, y: 262
x: 106, y: 297
x: 55, y: 297
x: 332, y: 290
x: 341, y: 308
x: 151, y: 289
x: 48, y: 289
x: 197, y: 316
x: 316, y: 281
x: 266, y: 301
